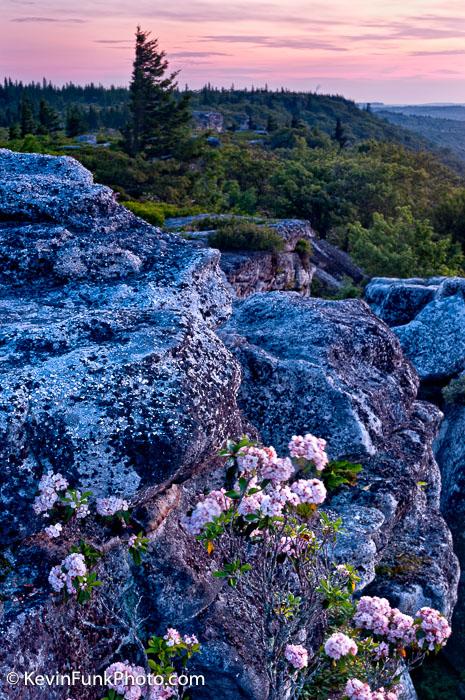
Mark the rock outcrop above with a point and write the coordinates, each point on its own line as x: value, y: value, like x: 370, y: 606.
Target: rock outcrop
x: 428, y: 316
x: 335, y: 370
x: 325, y: 268
x: 113, y: 375
x: 113, y: 372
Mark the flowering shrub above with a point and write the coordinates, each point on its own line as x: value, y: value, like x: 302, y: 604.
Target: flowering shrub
x: 170, y: 653
x: 137, y: 546
x: 270, y: 542
x: 113, y: 506
x: 73, y: 576
x: 56, y: 499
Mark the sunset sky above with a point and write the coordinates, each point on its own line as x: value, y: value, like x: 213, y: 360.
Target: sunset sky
x: 395, y: 51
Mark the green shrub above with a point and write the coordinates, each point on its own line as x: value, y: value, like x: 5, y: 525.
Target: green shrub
x: 403, y: 246
x: 156, y: 212
x: 245, y: 235
x: 454, y: 392
x: 303, y: 247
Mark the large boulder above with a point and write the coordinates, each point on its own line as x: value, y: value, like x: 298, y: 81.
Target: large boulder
x: 335, y: 370
x: 450, y: 453
x: 113, y: 375
x: 428, y: 317
x: 111, y: 370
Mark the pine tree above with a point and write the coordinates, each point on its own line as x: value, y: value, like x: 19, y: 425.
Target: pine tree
x: 158, y: 116
x: 28, y: 123
x: 340, y: 134
x: 14, y: 132
x: 75, y: 123
x: 49, y: 120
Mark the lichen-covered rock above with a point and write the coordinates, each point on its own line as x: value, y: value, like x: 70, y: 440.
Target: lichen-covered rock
x: 111, y: 372
x: 450, y: 453
x: 255, y: 271
x: 429, y: 320
x: 250, y: 271
x: 335, y: 370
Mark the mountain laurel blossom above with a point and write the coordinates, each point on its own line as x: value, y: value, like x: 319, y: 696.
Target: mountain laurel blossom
x: 297, y: 655
x: 62, y: 576
x: 50, y: 485
x: 435, y: 627
x: 339, y: 645
x: 54, y: 530
x: 311, y: 448
x: 207, y: 508
x: 110, y: 505
x: 357, y: 690
x: 428, y: 628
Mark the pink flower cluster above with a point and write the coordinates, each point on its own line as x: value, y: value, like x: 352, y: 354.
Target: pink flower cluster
x: 377, y: 616
x: 128, y: 681
x: 263, y: 463
x: 49, y: 487
x: 310, y: 448
x: 173, y: 638
x: 253, y: 460
x: 311, y: 491
x: 72, y: 566
x: 110, y: 505
x: 53, y: 531
x: 78, y: 503
x: 273, y: 499
x: 297, y: 655
x: 339, y: 645
x: 435, y: 628
x: 207, y: 508
x: 357, y: 690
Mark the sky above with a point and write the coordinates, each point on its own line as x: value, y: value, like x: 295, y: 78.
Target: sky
x: 392, y: 51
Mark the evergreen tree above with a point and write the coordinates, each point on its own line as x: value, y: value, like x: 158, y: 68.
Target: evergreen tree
x: 28, y: 122
x: 75, y: 123
x: 340, y: 134
x: 49, y: 120
x: 14, y: 132
x: 158, y: 115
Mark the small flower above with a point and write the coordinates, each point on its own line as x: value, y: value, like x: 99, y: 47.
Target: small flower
x: 310, y: 448
x: 297, y: 655
x: 357, y: 690
x: 311, y: 491
x: 339, y: 645
x: 110, y: 505
x: 54, y: 530
x: 435, y: 628
x: 172, y: 637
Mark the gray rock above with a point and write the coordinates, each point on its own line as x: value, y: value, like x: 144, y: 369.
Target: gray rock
x: 111, y: 372
x: 253, y: 271
x: 429, y: 320
x: 335, y: 370
x: 450, y: 453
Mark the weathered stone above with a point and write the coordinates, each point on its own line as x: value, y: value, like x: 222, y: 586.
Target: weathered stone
x: 433, y: 314
x: 450, y: 453
x: 335, y: 370
x: 111, y: 372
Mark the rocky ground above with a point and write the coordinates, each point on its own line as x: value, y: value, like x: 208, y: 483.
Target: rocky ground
x: 326, y: 269
x: 114, y: 371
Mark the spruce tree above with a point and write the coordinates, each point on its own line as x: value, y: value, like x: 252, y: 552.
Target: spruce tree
x: 340, y: 134
x: 75, y: 123
x: 49, y: 120
x: 28, y: 122
x: 159, y: 117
